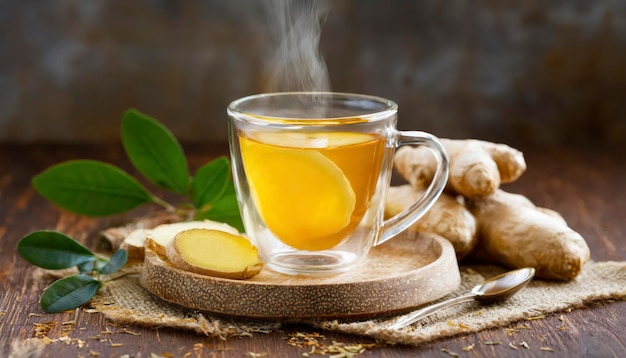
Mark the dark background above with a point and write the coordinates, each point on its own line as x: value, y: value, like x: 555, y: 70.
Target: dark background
x: 527, y: 73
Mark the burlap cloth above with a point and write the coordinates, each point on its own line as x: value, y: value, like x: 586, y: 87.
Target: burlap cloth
x: 123, y: 300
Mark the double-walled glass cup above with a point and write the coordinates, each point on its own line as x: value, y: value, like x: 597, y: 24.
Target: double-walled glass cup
x: 311, y: 171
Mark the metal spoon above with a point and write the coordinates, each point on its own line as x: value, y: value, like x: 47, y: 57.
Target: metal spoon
x: 497, y: 288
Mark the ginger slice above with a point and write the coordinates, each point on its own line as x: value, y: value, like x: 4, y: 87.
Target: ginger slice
x: 134, y: 243
x: 214, y: 253
x: 158, y: 238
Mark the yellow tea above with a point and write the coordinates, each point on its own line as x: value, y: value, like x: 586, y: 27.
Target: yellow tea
x: 312, y: 189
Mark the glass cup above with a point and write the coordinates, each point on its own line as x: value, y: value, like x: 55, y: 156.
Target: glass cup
x: 311, y: 171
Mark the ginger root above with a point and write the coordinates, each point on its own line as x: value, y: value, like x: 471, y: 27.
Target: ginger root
x: 477, y: 168
x: 516, y: 233
x: 158, y: 237
x: 512, y: 231
x: 447, y: 218
x: 214, y: 253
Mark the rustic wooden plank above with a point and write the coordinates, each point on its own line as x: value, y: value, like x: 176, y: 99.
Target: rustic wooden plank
x: 587, y: 186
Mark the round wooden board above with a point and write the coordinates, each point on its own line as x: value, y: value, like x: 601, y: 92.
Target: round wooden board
x: 405, y: 272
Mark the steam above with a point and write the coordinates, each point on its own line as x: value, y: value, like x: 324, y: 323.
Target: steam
x: 296, y: 64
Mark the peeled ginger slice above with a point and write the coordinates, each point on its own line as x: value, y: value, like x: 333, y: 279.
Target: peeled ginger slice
x: 214, y: 253
x: 160, y: 236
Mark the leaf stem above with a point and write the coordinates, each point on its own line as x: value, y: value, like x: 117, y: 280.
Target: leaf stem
x: 163, y: 203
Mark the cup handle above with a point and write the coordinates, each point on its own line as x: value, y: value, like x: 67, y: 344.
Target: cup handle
x: 400, y: 222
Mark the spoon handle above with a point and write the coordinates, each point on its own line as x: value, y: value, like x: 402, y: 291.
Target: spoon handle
x: 407, y: 319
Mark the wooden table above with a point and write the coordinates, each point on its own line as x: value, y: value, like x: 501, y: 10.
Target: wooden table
x: 587, y: 186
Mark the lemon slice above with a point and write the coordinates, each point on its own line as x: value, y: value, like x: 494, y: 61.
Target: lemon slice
x: 303, y: 196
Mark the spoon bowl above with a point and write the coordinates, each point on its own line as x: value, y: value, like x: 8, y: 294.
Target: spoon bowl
x: 503, y: 286
x: 495, y: 289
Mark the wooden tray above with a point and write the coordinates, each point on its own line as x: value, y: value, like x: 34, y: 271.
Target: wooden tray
x: 405, y: 272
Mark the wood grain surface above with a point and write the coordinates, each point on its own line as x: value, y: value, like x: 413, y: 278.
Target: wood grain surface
x: 586, y: 185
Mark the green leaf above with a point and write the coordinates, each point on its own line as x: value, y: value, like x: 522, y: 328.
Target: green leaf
x: 116, y: 262
x: 86, y: 267
x: 226, y: 211
x: 69, y: 293
x: 90, y: 187
x: 214, y: 194
x: 53, y: 250
x: 211, y: 181
x: 155, y: 152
